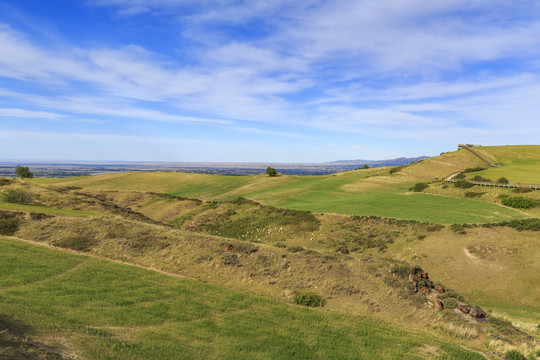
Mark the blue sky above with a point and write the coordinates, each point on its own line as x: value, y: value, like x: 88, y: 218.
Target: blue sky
x: 275, y: 80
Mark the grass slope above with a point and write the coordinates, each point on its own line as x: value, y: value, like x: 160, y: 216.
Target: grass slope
x: 101, y: 310
x: 363, y: 192
x: 519, y: 163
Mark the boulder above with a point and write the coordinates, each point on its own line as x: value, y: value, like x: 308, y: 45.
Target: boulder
x: 439, y: 289
x: 438, y: 304
x: 464, y: 308
x: 477, y: 312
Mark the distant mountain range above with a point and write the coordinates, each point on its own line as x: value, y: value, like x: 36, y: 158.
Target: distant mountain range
x: 377, y: 163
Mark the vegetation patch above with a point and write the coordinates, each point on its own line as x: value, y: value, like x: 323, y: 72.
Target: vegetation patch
x: 9, y: 226
x: 418, y: 187
x: 309, y: 299
x: 16, y: 196
x: 480, y: 178
x: 514, y: 355
x: 396, y: 169
x: 78, y: 243
x: 472, y: 194
x: 463, y: 184
x: 519, y: 202
x: 5, y: 181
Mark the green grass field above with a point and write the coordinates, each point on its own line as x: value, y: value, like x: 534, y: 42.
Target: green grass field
x: 352, y: 193
x: 103, y: 310
x: 519, y: 164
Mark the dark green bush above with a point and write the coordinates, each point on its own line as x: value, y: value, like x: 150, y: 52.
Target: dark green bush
x: 502, y: 180
x: 309, y: 299
x: 524, y: 224
x: 459, y: 176
x: 518, y: 202
x: 419, y: 187
x: 4, y: 181
x: 245, y: 248
x: 475, y: 169
x: 9, y: 226
x: 16, y: 196
x: 463, y: 184
x: 396, y: 169
x: 515, y: 355
x: 402, y: 270
x: 472, y: 194
x: 78, y: 243
x: 480, y: 178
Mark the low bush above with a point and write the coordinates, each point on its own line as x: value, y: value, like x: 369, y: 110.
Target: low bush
x: 309, y: 299
x: 524, y: 224
x: 521, y: 190
x: 229, y: 259
x: 502, y: 180
x: 295, y: 249
x: 514, y: 355
x: 463, y: 184
x: 472, y: 194
x: 449, y: 303
x: 434, y: 227
x: 78, y: 243
x: 4, y: 181
x: 418, y: 187
x: 459, y: 176
x: 16, y: 196
x: 519, y: 202
x: 402, y: 270
x: 9, y: 226
x: 480, y: 178
x: 245, y: 248
x: 458, y: 228
x: 474, y: 169
x: 39, y: 216
x: 396, y: 169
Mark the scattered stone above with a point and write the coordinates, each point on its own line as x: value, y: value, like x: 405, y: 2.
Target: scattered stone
x: 477, y: 312
x: 228, y: 247
x: 438, y: 304
x: 439, y: 289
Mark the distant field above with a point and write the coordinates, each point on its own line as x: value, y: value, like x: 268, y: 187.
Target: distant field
x: 104, y: 310
x: 519, y: 164
x: 361, y: 192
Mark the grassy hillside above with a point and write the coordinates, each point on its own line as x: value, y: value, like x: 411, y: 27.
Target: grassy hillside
x: 363, y: 192
x: 519, y: 163
x: 97, y: 309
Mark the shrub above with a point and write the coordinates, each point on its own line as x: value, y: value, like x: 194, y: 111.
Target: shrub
x: 459, y: 176
x: 8, y: 226
x: 401, y: 270
x: 396, y: 169
x: 245, y: 248
x: 480, y: 178
x: 472, y: 194
x: 518, y: 202
x: 4, y: 181
x: 463, y: 184
x: 16, y: 197
x: 502, y: 180
x: 475, y: 169
x: 78, y: 243
x: 309, y: 299
x: 419, y: 187
x: 295, y: 249
x: 39, y: 216
x: 515, y: 355
x: 434, y: 227
x: 449, y: 303
x: 459, y: 228
x: 521, y: 190
x: 229, y: 259
x: 524, y: 224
